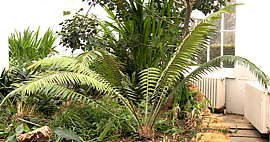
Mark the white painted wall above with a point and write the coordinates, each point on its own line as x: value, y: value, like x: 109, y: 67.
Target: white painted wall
x: 252, y: 32
x: 234, y: 96
x: 257, y: 107
x: 252, y: 42
x: 20, y: 14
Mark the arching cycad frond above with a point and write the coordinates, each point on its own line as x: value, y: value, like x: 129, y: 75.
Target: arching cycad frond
x: 64, y: 62
x: 184, y: 56
x: 60, y: 63
x: 190, y: 48
x: 208, y: 67
x: 87, y: 58
x: 109, y: 68
x: 53, y: 82
x: 63, y: 78
x: 99, y: 61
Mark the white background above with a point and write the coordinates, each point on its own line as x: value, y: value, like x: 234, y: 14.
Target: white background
x: 252, y: 24
x: 253, y: 32
x: 20, y: 14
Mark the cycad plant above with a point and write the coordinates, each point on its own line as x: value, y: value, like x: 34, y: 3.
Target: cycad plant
x: 63, y: 73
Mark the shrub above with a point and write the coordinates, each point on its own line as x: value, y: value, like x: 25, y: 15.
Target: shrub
x: 78, y: 32
x: 91, y: 122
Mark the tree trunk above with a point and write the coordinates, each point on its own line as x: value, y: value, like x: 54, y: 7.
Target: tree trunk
x: 189, y: 4
x: 146, y: 132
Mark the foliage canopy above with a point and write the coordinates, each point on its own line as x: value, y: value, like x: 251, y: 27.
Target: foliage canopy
x: 65, y: 75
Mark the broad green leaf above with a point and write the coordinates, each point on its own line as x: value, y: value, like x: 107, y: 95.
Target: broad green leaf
x: 19, y: 129
x: 67, y: 134
x: 12, y: 138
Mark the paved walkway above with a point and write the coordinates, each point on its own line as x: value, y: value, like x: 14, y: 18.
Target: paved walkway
x: 242, y: 130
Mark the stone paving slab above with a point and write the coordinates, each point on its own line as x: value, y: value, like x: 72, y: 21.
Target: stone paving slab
x: 245, y: 139
x: 246, y: 133
x: 242, y: 130
x: 240, y: 126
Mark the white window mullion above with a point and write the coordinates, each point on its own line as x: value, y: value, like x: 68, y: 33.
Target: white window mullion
x: 208, y: 50
x: 222, y: 36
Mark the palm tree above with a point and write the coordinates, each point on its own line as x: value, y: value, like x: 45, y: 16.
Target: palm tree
x: 154, y: 84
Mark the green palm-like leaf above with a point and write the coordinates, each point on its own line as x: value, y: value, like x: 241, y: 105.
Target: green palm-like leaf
x: 87, y: 58
x: 182, y: 58
x: 27, y: 46
x: 189, y: 48
x: 60, y: 63
x: 148, y: 79
x: 97, y: 60
x: 63, y: 78
x: 70, y: 71
x: 209, y: 67
x: 64, y: 63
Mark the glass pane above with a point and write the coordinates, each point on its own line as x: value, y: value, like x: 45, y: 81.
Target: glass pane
x: 214, y: 51
x: 215, y: 42
x: 229, y: 21
x: 229, y: 46
x: 229, y: 37
x: 215, y: 38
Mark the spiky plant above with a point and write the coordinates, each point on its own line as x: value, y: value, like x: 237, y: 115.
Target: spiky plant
x: 148, y: 31
x: 154, y: 84
x: 145, y: 34
x: 29, y: 45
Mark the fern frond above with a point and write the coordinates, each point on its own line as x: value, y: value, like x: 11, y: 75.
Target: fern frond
x: 109, y: 68
x: 54, y: 90
x: 92, y: 79
x: 147, y: 81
